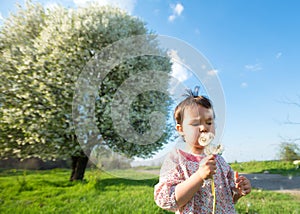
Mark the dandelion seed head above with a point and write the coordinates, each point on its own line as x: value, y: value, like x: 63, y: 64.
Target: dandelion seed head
x: 205, y: 138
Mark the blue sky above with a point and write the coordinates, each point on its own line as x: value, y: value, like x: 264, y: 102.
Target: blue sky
x: 253, y: 46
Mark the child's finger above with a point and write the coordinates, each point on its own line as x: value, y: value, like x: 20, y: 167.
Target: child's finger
x: 211, y: 157
x: 236, y: 176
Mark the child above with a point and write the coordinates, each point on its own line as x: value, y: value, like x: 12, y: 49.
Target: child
x: 180, y: 188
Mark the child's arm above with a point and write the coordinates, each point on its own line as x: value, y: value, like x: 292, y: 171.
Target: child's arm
x: 187, y: 189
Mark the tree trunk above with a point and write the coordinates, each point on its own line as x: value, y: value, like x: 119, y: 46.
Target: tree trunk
x: 79, y: 164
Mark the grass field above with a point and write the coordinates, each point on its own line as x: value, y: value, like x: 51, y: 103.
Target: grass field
x: 274, y: 167
x: 50, y: 192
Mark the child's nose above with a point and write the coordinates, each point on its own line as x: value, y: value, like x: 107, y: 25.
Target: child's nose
x: 203, y: 128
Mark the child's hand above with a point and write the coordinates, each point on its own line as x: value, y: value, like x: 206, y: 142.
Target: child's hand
x: 242, y: 184
x: 207, y: 167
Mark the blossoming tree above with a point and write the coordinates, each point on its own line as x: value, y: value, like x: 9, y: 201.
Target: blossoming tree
x: 42, y: 53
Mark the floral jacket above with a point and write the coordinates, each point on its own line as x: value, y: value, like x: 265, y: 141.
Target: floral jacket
x: 179, y: 166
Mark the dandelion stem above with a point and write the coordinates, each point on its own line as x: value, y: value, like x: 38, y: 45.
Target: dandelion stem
x: 213, y: 191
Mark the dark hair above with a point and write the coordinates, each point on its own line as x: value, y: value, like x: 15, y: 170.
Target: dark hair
x: 192, y: 100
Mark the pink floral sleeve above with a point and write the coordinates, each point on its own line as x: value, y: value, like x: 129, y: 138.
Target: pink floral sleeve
x: 171, y: 174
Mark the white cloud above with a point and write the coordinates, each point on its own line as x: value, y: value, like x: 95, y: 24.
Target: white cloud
x: 127, y: 5
x: 179, y: 71
x: 173, y: 54
x: 278, y: 55
x: 176, y: 11
x: 212, y: 72
x: 244, y: 85
x: 171, y: 18
x: 255, y: 67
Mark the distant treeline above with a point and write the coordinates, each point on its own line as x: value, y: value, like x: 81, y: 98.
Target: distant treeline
x: 33, y: 164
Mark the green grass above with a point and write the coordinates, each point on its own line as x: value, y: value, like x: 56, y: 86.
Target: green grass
x: 273, y: 167
x: 265, y: 202
x: 50, y: 192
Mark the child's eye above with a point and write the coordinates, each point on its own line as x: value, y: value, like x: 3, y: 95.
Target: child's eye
x: 209, y: 123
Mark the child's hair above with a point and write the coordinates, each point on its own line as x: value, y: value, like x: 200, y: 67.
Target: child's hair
x: 192, y: 100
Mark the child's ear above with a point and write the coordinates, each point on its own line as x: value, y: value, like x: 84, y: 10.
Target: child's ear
x: 179, y: 129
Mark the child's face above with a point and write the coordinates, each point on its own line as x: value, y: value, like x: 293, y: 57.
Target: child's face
x: 196, y: 120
